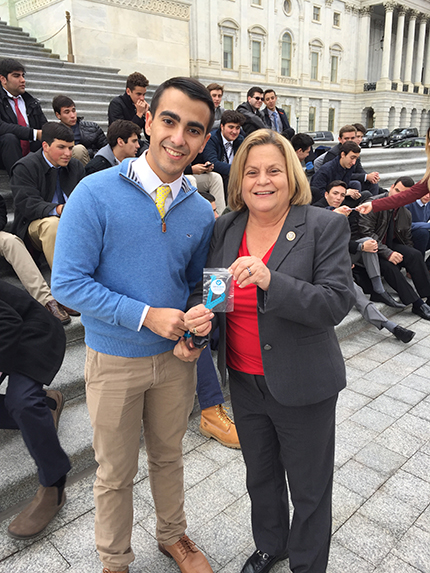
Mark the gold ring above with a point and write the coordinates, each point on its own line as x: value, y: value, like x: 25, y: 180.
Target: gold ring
x: 194, y: 331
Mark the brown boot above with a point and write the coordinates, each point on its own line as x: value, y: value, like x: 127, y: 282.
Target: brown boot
x: 216, y: 423
x: 58, y: 398
x: 187, y: 556
x: 58, y: 311
x: 106, y: 570
x: 36, y: 516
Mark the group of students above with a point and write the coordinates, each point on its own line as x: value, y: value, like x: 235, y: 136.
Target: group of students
x: 132, y: 220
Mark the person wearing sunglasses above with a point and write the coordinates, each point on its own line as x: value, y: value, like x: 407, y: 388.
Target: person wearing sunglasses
x: 251, y: 110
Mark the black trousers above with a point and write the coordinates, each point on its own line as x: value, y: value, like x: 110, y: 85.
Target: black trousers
x: 298, y: 441
x: 414, y: 264
x: 24, y: 407
x: 10, y: 151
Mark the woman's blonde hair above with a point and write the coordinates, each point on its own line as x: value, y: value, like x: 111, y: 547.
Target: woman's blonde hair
x: 427, y: 173
x: 300, y: 193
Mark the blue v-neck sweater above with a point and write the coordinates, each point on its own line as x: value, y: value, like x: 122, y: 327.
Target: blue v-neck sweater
x: 112, y: 258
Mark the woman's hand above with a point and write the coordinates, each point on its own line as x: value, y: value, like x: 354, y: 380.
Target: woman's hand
x: 198, y: 320
x: 250, y: 270
x: 186, y: 351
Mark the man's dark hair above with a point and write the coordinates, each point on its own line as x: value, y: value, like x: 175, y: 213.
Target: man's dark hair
x: 60, y: 101
x: 191, y: 88
x: 208, y: 196
x: 215, y: 86
x: 56, y: 130
x: 232, y: 116
x: 136, y: 79
x: 349, y: 146
x: 253, y: 90
x: 405, y: 181
x: 360, y: 127
x: 347, y: 129
x: 9, y: 65
x: 123, y: 129
x: 301, y: 141
x: 269, y: 91
x: 336, y: 183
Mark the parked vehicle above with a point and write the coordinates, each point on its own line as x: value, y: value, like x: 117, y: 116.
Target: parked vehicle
x: 321, y: 135
x: 402, y: 133
x: 410, y: 142
x: 375, y: 136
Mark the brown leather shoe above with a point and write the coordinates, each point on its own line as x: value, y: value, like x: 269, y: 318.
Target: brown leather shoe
x: 36, y: 516
x: 106, y: 570
x: 71, y: 311
x: 58, y: 397
x: 187, y: 556
x: 58, y: 311
x: 216, y: 423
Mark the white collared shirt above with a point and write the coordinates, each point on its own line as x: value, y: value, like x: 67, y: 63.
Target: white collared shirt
x: 224, y: 141
x: 150, y: 180
x: 22, y: 109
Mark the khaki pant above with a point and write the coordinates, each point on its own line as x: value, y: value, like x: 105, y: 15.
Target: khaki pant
x: 80, y: 152
x: 121, y: 392
x: 42, y: 233
x: 211, y: 183
x: 16, y: 254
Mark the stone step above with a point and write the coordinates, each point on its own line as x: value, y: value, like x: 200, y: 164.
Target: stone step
x: 17, y: 40
x: 12, y: 51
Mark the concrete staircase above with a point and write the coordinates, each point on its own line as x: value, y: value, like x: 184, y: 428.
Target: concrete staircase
x: 92, y: 88
x: 394, y: 163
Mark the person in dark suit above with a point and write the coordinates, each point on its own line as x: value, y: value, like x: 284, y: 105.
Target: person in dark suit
x: 21, y: 117
x: 223, y: 144
x: 32, y: 346
x: 275, y: 117
x: 41, y: 184
x: 251, y: 110
x: 293, y: 284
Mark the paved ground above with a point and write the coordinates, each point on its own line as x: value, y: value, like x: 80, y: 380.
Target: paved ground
x: 381, y: 494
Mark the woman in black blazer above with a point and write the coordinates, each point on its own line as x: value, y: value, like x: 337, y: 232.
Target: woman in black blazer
x: 293, y: 284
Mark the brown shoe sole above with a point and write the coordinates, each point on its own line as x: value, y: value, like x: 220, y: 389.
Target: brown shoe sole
x: 227, y: 445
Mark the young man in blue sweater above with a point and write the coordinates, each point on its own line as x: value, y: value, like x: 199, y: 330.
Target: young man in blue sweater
x: 143, y: 239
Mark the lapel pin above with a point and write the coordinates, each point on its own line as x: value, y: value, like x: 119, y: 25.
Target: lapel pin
x: 291, y: 235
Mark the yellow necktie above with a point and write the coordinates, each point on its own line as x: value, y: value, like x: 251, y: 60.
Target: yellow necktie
x: 160, y: 198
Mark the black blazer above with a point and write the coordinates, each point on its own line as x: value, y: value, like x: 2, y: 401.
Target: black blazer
x: 9, y: 121
x: 311, y: 291
x: 32, y: 340
x: 286, y: 127
x: 33, y: 185
x: 122, y: 107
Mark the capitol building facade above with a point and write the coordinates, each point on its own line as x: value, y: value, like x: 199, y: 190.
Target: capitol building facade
x: 331, y: 62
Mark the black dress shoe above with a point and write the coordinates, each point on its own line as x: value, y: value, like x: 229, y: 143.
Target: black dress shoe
x: 260, y: 562
x: 423, y: 311
x: 403, y: 334
x: 386, y: 299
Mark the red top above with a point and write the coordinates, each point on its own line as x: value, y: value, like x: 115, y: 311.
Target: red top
x: 404, y: 198
x: 243, y: 339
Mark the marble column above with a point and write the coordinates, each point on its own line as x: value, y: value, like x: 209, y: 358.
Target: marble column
x: 410, y: 47
x: 427, y: 68
x: 420, y: 50
x: 399, y: 44
x: 385, y: 69
x: 364, y: 35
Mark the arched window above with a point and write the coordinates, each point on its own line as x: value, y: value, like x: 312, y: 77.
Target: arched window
x: 286, y: 53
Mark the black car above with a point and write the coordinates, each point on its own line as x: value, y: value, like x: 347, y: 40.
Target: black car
x: 321, y: 135
x: 411, y: 142
x: 403, y: 133
x: 375, y: 136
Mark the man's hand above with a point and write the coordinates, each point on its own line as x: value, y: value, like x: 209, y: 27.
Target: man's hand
x: 166, y: 322
x: 370, y: 246
x: 186, y: 351
x: 343, y: 210
x: 395, y: 258
x: 201, y: 168
x: 354, y: 193
x: 59, y: 208
x: 373, y: 177
x: 364, y: 208
x: 39, y: 134
x: 141, y: 107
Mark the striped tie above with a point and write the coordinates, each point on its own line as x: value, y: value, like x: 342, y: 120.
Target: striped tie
x: 160, y: 199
